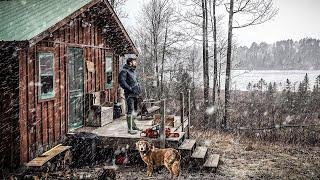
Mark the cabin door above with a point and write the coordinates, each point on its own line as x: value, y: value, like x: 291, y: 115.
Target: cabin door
x: 76, y: 88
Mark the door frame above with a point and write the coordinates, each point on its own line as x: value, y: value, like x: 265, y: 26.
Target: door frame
x: 68, y: 86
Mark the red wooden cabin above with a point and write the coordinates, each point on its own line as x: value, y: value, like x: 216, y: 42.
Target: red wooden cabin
x: 52, y: 53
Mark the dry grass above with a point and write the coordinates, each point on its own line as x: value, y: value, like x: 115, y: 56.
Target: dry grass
x: 245, y: 159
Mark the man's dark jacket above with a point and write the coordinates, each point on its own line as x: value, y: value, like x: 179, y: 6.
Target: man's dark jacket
x: 129, y: 81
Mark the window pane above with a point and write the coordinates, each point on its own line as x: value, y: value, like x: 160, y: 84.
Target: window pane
x: 46, y: 63
x: 47, y: 84
x: 109, y: 64
x: 46, y: 73
x: 109, y: 78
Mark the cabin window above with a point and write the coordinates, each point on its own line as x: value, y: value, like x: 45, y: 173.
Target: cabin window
x: 46, y: 75
x: 108, y: 72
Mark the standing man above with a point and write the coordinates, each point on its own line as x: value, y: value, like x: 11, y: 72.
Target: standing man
x: 129, y: 82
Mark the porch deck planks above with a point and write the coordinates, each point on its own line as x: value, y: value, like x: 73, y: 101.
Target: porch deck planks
x: 116, y: 133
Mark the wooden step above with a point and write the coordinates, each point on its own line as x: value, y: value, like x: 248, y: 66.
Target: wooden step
x: 200, y: 152
x: 212, y: 161
x: 176, y: 139
x: 187, y: 144
x: 47, y: 156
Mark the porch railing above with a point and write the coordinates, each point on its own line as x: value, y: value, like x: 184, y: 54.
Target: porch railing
x: 183, y: 119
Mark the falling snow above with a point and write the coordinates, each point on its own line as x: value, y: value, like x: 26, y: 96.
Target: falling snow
x: 265, y: 126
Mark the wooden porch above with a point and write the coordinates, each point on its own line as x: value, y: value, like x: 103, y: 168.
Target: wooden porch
x: 108, y: 139
x: 116, y: 133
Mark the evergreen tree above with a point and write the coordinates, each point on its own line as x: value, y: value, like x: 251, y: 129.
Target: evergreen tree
x: 317, y: 85
x: 288, y: 85
x: 261, y: 84
x: 275, y: 86
x: 184, y: 81
x: 288, y: 98
x: 270, y: 91
x: 249, y: 87
x: 305, y: 83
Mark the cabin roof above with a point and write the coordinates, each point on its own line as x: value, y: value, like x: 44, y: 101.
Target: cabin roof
x: 23, y: 20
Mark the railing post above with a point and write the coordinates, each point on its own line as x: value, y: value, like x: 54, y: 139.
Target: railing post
x: 189, y: 113
x: 162, y: 124
x: 182, y: 111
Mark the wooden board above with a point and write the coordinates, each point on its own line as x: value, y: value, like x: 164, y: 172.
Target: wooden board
x: 212, y: 161
x: 200, y: 152
x: 153, y: 109
x: 176, y: 139
x: 45, y: 157
x: 169, y: 120
x: 187, y: 144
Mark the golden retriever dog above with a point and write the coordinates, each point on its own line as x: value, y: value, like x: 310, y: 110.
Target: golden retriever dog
x: 154, y: 157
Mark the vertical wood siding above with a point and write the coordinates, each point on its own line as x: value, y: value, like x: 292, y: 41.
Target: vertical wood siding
x: 43, y: 124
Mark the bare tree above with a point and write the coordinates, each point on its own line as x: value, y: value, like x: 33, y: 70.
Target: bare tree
x: 193, y: 17
x: 205, y: 58
x: 253, y: 12
x: 163, y: 56
x: 117, y: 5
x: 158, y: 40
x: 215, y: 61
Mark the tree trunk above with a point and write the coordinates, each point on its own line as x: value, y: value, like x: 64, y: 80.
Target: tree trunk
x: 228, y: 67
x: 193, y: 77
x: 219, y: 78
x: 162, y: 63
x: 157, y: 64
x: 205, y: 60
x: 215, y: 63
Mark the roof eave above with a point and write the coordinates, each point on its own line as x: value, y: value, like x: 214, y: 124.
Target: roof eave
x: 61, y: 23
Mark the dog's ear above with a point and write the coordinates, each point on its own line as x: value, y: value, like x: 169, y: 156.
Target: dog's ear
x: 149, y: 145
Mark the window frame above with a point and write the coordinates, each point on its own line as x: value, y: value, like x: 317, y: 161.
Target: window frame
x: 41, y: 97
x: 107, y: 85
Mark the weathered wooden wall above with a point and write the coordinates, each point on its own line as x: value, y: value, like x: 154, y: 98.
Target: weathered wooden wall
x: 45, y: 123
x: 9, y: 105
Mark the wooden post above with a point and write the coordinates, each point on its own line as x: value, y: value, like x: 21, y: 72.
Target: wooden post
x: 162, y: 126
x: 182, y: 111
x: 189, y: 113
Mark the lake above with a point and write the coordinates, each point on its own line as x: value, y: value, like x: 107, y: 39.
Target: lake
x: 241, y: 78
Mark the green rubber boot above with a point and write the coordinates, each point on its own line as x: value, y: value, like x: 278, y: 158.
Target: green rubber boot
x: 130, y: 124
x: 134, y: 125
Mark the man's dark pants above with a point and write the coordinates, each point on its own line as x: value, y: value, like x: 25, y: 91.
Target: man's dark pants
x: 132, y: 104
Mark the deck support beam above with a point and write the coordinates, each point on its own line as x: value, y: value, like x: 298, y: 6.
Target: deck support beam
x: 189, y: 113
x: 182, y: 111
x: 162, y: 124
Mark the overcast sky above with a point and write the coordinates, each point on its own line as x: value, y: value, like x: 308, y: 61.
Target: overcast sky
x: 296, y: 19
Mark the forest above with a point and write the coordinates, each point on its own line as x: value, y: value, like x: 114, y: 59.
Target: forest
x: 282, y: 55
